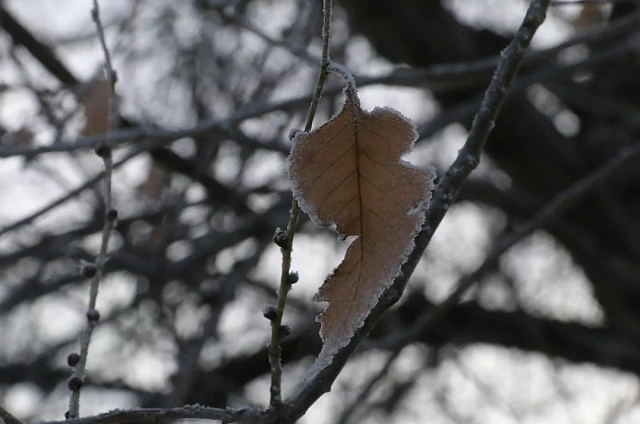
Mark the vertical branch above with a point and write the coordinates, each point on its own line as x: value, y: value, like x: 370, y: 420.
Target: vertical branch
x: 94, y: 270
x: 285, y: 239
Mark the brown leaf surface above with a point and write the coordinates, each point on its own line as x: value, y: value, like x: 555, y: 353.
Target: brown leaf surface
x: 349, y: 172
x: 96, y: 107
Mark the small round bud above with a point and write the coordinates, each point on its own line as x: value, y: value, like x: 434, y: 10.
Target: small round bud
x: 112, y: 215
x: 74, y: 384
x: 73, y: 359
x: 281, y: 238
x: 93, y: 315
x: 285, y: 330
x: 67, y: 415
x: 293, y: 277
x: 88, y: 270
x: 269, y: 312
x: 103, y: 151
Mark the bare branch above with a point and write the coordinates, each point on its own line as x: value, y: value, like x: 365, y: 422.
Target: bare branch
x: 437, y: 77
x: 287, y: 245
x: 7, y: 417
x: 110, y: 219
x: 162, y: 415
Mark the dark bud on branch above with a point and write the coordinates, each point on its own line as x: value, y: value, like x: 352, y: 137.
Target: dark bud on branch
x: 285, y: 330
x: 269, y: 312
x: 73, y: 359
x: 93, y: 315
x: 88, y: 270
x: 74, y: 384
x: 112, y: 215
x: 103, y: 151
x: 281, y: 238
x: 293, y: 277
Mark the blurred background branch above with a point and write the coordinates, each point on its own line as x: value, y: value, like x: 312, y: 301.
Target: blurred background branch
x: 210, y: 90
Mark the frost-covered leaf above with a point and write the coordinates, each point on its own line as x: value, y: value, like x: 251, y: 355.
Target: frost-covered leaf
x: 349, y: 172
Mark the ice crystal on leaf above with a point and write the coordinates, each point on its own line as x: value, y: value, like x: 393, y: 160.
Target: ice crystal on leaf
x: 349, y: 172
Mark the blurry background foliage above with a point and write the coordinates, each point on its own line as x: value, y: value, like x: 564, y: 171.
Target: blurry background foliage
x: 550, y: 334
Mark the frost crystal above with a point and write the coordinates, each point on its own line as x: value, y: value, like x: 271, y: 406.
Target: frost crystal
x: 345, y: 73
x: 349, y: 172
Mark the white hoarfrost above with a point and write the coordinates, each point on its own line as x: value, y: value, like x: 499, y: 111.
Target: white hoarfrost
x: 332, y: 345
x: 343, y: 72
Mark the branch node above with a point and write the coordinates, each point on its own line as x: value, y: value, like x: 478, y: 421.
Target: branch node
x: 269, y: 312
x: 74, y: 384
x: 293, y: 277
x: 280, y: 238
x: 73, y: 359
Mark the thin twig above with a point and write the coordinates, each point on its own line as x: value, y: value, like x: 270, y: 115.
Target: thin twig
x: 167, y: 415
x: 552, y: 210
x: 71, y: 194
x: 445, y: 194
x: 296, y: 52
x: 469, y: 156
x: 570, y: 2
x: 465, y: 110
x: 285, y: 278
x: 161, y: 137
x: 7, y: 417
x: 110, y: 217
x: 436, y: 77
x: 359, y: 401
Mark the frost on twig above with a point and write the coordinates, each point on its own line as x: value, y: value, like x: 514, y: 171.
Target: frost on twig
x: 286, y: 244
x: 106, y: 104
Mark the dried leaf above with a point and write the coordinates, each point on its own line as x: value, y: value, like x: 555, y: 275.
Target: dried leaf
x: 96, y: 107
x: 21, y: 137
x: 349, y: 172
x: 156, y: 182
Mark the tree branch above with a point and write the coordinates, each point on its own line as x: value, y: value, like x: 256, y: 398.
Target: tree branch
x: 7, y: 417
x: 162, y: 416
x: 43, y: 53
x: 286, y: 278
x: 110, y: 218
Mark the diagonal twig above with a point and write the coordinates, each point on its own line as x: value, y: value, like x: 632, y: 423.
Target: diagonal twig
x: 7, y: 417
x: 559, y: 204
